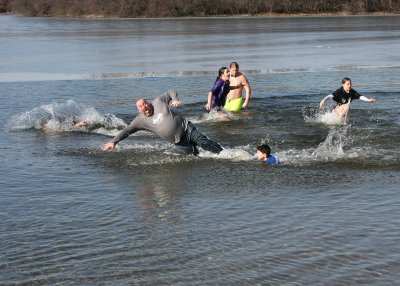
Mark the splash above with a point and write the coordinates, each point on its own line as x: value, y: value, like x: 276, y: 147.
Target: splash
x: 61, y: 117
x: 213, y: 115
x: 161, y: 153
x: 331, y: 149
x: 324, y: 116
x: 233, y: 154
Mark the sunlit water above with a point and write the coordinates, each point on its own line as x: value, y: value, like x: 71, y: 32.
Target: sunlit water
x: 145, y: 214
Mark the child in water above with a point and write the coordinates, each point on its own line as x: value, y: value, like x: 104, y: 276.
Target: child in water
x: 264, y: 154
x: 343, y: 96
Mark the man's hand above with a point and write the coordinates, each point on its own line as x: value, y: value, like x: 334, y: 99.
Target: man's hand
x: 175, y: 103
x: 108, y: 146
x: 81, y: 123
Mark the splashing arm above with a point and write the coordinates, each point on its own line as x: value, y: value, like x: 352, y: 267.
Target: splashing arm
x: 364, y: 98
x: 171, y: 97
x: 133, y: 127
x: 108, y: 146
x: 321, y: 104
x: 81, y: 123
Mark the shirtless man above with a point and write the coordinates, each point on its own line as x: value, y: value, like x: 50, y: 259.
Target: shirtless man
x: 234, y: 99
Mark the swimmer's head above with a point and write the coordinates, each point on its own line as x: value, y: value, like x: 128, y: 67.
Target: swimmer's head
x: 144, y: 107
x: 346, y: 84
x: 263, y: 152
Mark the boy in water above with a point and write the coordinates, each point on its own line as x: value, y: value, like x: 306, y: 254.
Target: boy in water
x: 264, y: 154
x: 343, y: 96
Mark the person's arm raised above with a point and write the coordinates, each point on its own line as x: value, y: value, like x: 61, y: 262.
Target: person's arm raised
x: 175, y: 103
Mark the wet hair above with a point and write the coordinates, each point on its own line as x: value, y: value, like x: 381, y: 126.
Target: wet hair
x: 264, y: 148
x: 235, y: 64
x: 221, y: 72
x: 345, y: 79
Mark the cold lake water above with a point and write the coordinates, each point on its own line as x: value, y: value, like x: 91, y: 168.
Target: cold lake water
x: 143, y: 214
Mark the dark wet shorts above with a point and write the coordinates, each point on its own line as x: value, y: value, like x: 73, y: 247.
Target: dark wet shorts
x: 193, y: 138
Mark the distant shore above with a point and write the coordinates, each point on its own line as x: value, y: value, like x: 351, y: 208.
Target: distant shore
x: 93, y: 16
x: 197, y: 9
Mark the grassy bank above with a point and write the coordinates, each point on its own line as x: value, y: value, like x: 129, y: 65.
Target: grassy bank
x: 195, y: 8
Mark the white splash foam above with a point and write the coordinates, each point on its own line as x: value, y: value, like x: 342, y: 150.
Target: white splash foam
x: 331, y: 149
x: 330, y: 118
x: 171, y: 155
x: 60, y: 117
x: 106, y: 132
x: 232, y: 154
x: 213, y: 115
x: 324, y: 116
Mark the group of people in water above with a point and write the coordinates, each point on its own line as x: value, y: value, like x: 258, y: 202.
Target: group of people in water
x: 158, y: 117
x: 228, y: 89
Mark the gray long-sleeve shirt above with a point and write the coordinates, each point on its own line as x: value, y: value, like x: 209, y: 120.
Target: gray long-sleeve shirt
x: 164, y: 122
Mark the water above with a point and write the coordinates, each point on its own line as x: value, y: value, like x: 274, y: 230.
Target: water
x: 145, y: 215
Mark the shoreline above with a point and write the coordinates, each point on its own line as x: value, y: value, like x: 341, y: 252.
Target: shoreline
x: 264, y: 15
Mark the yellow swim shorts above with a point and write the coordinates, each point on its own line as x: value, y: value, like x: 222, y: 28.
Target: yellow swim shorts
x: 234, y: 104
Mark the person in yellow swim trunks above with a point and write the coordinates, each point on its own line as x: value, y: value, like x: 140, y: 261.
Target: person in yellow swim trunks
x: 234, y: 99
x: 234, y: 104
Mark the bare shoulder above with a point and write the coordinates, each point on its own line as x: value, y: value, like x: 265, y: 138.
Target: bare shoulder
x: 242, y: 78
x: 240, y: 75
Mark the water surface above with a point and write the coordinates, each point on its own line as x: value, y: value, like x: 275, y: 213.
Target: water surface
x: 146, y: 215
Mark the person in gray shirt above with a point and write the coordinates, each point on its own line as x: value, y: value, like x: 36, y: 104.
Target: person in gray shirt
x: 157, y: 117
